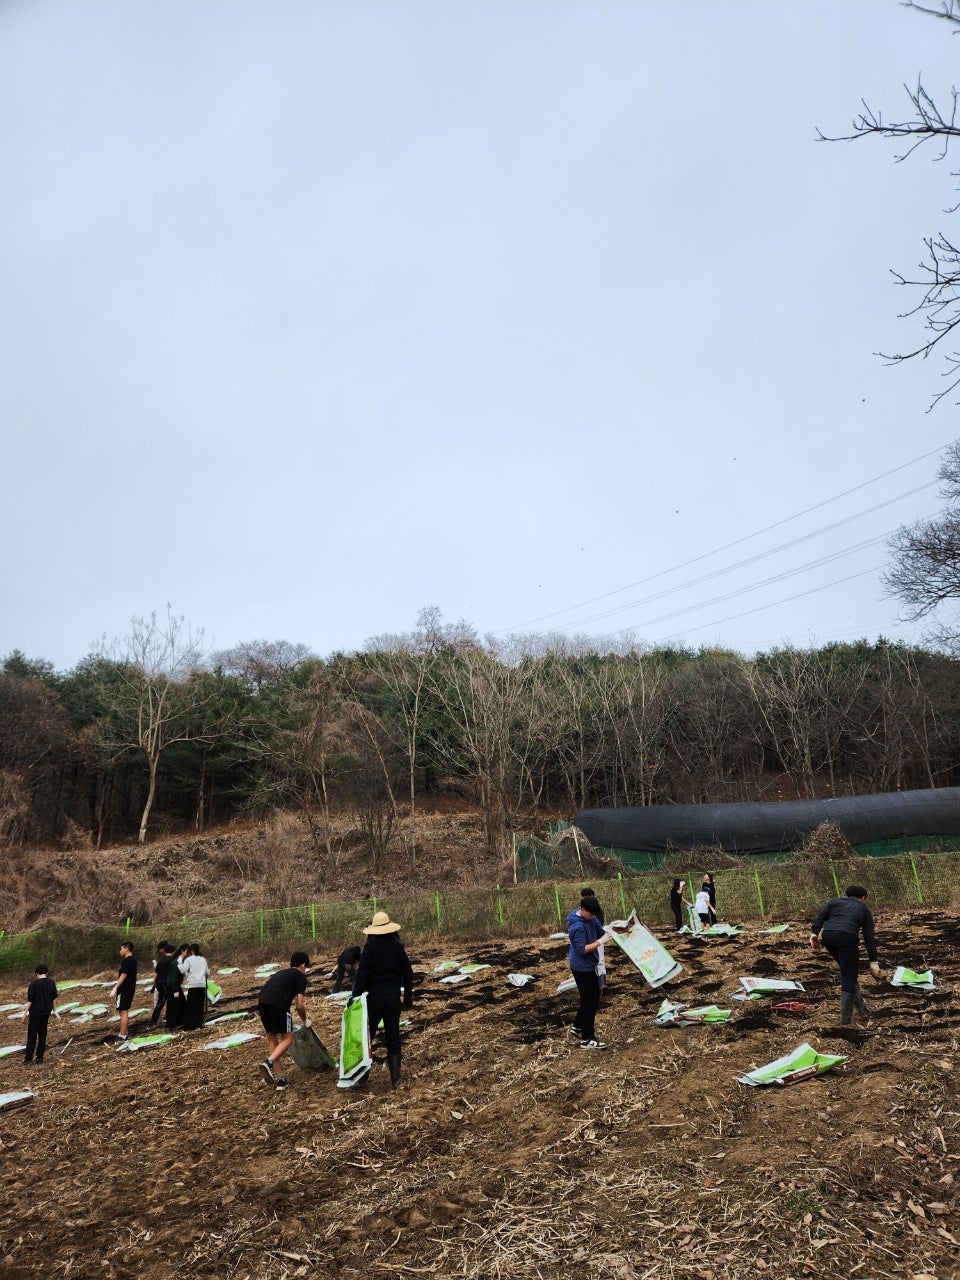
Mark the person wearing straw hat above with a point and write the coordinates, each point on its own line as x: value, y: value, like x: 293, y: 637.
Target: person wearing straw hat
x: 385, y: 974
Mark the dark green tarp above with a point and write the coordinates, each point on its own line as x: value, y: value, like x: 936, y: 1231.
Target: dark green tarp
x: 773, y: 826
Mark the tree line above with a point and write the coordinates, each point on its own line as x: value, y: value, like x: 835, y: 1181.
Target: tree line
x: 154, y: 735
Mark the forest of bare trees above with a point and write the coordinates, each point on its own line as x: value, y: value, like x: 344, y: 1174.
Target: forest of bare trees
x: 155, y: 736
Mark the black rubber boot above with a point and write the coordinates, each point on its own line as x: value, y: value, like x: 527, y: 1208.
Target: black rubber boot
x: 846, y: 1008
x: 859, y: 1003
x: 393, y: 1061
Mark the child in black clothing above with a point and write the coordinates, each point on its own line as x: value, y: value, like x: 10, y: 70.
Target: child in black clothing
x: 41, y: 998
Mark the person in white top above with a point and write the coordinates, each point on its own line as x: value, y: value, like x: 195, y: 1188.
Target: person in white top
x: 702, y: 907
x: 195, y: 972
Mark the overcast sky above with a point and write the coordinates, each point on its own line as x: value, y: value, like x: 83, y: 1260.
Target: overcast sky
x: 313, y: 314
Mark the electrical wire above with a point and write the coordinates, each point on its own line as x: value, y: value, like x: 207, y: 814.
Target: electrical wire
x: 684, y: 564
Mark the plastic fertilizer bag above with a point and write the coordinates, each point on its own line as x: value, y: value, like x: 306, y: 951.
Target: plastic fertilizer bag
x: 146, y: 1042
x: 799, y: 1065
x: 903, y: 977
x: 309, y: 1052
x: 355, y: 1058
x: 650, y: 956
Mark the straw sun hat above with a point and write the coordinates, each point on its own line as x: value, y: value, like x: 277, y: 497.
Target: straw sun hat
x: 381, y: 923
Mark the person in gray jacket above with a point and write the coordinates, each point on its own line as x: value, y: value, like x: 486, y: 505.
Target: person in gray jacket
x: 842, y: 921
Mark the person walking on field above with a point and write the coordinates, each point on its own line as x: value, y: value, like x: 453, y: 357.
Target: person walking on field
x: 842, y: 921
x: 586, y: 938
x: 386, y: 975
x: 282, y: 989
x: 125, y: 987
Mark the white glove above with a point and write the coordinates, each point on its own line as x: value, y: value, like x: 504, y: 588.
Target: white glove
x: 875, y: 968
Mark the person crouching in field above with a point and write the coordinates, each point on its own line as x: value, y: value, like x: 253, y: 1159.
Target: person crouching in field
x: 282, y: 989
x: 842, y: 920
x: 586, y: 938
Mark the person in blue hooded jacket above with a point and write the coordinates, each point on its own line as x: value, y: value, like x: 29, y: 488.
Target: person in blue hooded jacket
x: 587, y: 936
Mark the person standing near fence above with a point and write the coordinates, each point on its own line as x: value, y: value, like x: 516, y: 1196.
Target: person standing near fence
x: 386, y: 975
x: 678, y: 902
x: 195, y: 973
x: 842, y: 921
x: 711, y: 890
x: 586, y: 938
x: 41, y: 999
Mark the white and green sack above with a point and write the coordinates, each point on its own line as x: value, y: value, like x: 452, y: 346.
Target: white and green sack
x: 355, y: 1057
x: 650, y: 956
x: 803, y: 1063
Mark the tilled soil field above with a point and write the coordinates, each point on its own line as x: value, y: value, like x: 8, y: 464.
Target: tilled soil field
x: 508, y: 1150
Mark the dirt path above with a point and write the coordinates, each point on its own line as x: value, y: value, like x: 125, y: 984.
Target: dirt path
x: 508, y: 1151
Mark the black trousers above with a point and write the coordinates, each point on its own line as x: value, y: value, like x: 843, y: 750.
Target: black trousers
x: 159, y: 1000
x: 176, y: 1005
x: 845, y: 949
x: 345, y: 970
x: 678, y: 915
x: 383, y: 1002
x: 36, y: 1037
x: 588, y: 985
x: 195, y: 1012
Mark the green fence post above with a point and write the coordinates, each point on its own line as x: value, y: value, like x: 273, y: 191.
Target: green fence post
x: 836, y: 882
x: 437, y: 908
x: 313, y: 921
x: 261, y: 926
x: 916, y: 880
x: 183, y: 920
x: 623, y: 901
x: 126, y: 928
x: 756, y: 877
x: 556, y: 896
x: 499, y: 907
x: 53, y: 948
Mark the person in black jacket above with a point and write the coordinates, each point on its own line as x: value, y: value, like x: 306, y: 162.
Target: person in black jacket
x: 678, y: 902
x: 385, y: 974
x: 41, y: 999
x: 176, y: 1001
x: 841, y: 921
x: 161, y: 968
x: 347, y: 962
x: 711, y: 890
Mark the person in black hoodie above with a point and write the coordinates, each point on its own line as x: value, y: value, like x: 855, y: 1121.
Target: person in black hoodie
x: 842, y: 920
x: 41, y: 999
x: 385, y: 974
x: 161, y: 968
x: 176, y: 1001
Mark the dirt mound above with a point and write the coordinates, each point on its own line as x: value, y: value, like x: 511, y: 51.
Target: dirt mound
x: 509, y: 1151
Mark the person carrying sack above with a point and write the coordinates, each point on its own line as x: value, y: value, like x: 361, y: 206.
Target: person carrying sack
x: 386, y: 975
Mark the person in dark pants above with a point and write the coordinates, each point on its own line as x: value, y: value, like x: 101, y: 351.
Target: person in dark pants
x: 41, y: 998
x: 678, y: 902
x: 586, y: 938
x: 841, y: 922
x: 161, y: 967
x: 273, y: 1005
x: 347, y: 962
x: 195, y: 972
x: 176, y: 1001
x: 711, y: 890
x: 385, y: 974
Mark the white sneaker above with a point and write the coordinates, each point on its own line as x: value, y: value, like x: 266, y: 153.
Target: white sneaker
x: 592, y: 1044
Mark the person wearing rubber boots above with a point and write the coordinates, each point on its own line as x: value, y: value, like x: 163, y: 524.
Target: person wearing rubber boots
x: 840, y: 924
x: 386, y: 975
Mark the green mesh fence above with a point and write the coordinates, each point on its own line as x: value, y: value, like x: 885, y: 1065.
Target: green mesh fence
x: 782, y: 891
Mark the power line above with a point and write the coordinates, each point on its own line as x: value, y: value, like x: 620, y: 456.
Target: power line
x: 740, y: 591
x: 738, y: 541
